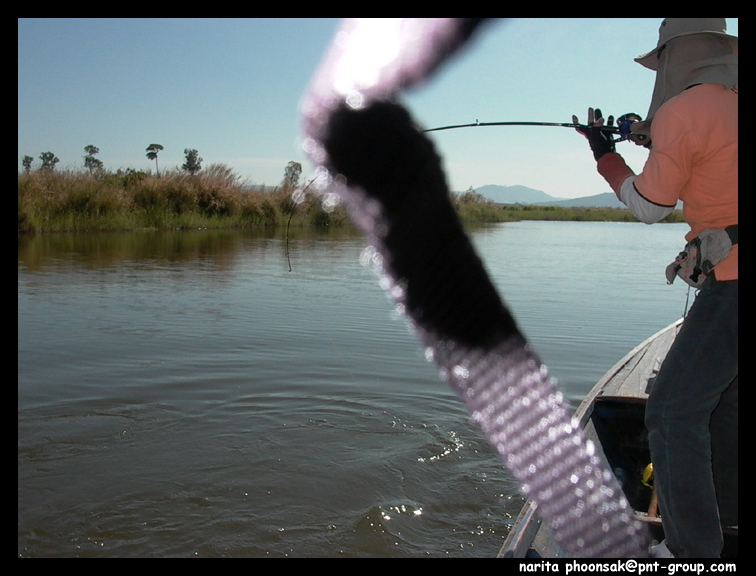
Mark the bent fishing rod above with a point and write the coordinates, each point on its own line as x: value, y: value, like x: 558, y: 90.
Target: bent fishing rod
x: 622, y: 128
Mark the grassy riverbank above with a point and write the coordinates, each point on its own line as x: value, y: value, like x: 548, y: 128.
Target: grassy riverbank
x: 473, y: 207
x: 57, y: 201
x: 522, y: 212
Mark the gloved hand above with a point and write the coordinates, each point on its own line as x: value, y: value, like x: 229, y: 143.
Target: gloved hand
x: 599, y: 140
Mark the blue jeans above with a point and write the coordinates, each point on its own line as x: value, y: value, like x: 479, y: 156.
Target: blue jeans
x: 692, y: 420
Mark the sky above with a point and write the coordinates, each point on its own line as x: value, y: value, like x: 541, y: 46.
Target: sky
x: 231, y: 88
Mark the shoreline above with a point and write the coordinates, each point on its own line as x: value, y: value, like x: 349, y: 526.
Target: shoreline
x: 80, y: 201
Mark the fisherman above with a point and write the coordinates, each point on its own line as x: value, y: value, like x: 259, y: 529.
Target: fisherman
x: 691, y: 131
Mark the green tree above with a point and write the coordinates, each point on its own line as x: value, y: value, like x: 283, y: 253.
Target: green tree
x: 152, y: 154
x: 90, y: 162
x: 292, y: 172
x: 26, y: 162
x: 49, y: 160
x: 473, y: 197
x: 193, y: 161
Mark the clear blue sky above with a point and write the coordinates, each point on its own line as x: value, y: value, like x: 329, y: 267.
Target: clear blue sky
x: 230, y: 88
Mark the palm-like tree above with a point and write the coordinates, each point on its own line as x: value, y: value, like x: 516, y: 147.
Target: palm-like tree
x: 152, y: 154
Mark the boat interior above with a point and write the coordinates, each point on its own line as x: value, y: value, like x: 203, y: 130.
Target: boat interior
x: 616, y: 424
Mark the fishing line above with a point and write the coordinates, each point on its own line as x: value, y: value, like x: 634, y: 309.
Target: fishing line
x: 293, y: 206
x: 687, y: 299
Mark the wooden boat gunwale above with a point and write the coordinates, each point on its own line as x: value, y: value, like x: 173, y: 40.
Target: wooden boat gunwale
x: 519, y: 543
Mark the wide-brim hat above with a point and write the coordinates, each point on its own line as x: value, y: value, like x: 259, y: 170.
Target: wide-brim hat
x: 675, y: 27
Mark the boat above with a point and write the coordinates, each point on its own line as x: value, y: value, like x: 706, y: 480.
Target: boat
x: 612, y: 417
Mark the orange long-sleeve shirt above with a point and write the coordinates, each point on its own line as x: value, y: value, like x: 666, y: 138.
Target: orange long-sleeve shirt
x: 694, y: 158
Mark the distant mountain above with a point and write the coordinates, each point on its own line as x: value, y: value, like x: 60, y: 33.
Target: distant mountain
x: 515, y: 194
x: 605, y: 200
x: 524, y: 195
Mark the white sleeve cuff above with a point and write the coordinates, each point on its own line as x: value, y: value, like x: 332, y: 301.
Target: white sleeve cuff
x: 645, y: 211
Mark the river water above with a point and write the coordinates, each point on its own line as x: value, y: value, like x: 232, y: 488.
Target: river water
x: 188, y: 394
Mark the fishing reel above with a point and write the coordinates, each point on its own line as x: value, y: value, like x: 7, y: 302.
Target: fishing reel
x: 624, y: 123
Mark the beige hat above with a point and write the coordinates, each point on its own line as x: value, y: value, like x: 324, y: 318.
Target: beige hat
x: 698, y: 51
x: 675, y: 27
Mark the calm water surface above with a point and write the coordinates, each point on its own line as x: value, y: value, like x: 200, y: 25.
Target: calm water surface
x: 185, y: 394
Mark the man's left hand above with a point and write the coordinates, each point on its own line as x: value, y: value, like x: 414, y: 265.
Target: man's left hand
x: 600, y: 141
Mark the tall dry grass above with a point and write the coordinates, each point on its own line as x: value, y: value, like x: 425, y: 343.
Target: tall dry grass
x: 216, y: 197
x: 69, y: 200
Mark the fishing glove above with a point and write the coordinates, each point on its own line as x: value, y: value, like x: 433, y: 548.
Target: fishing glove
x: 600, y: 141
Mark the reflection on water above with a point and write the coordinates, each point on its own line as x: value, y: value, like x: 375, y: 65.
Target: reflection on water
x: 99, y: 250
x: 184, y: 394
